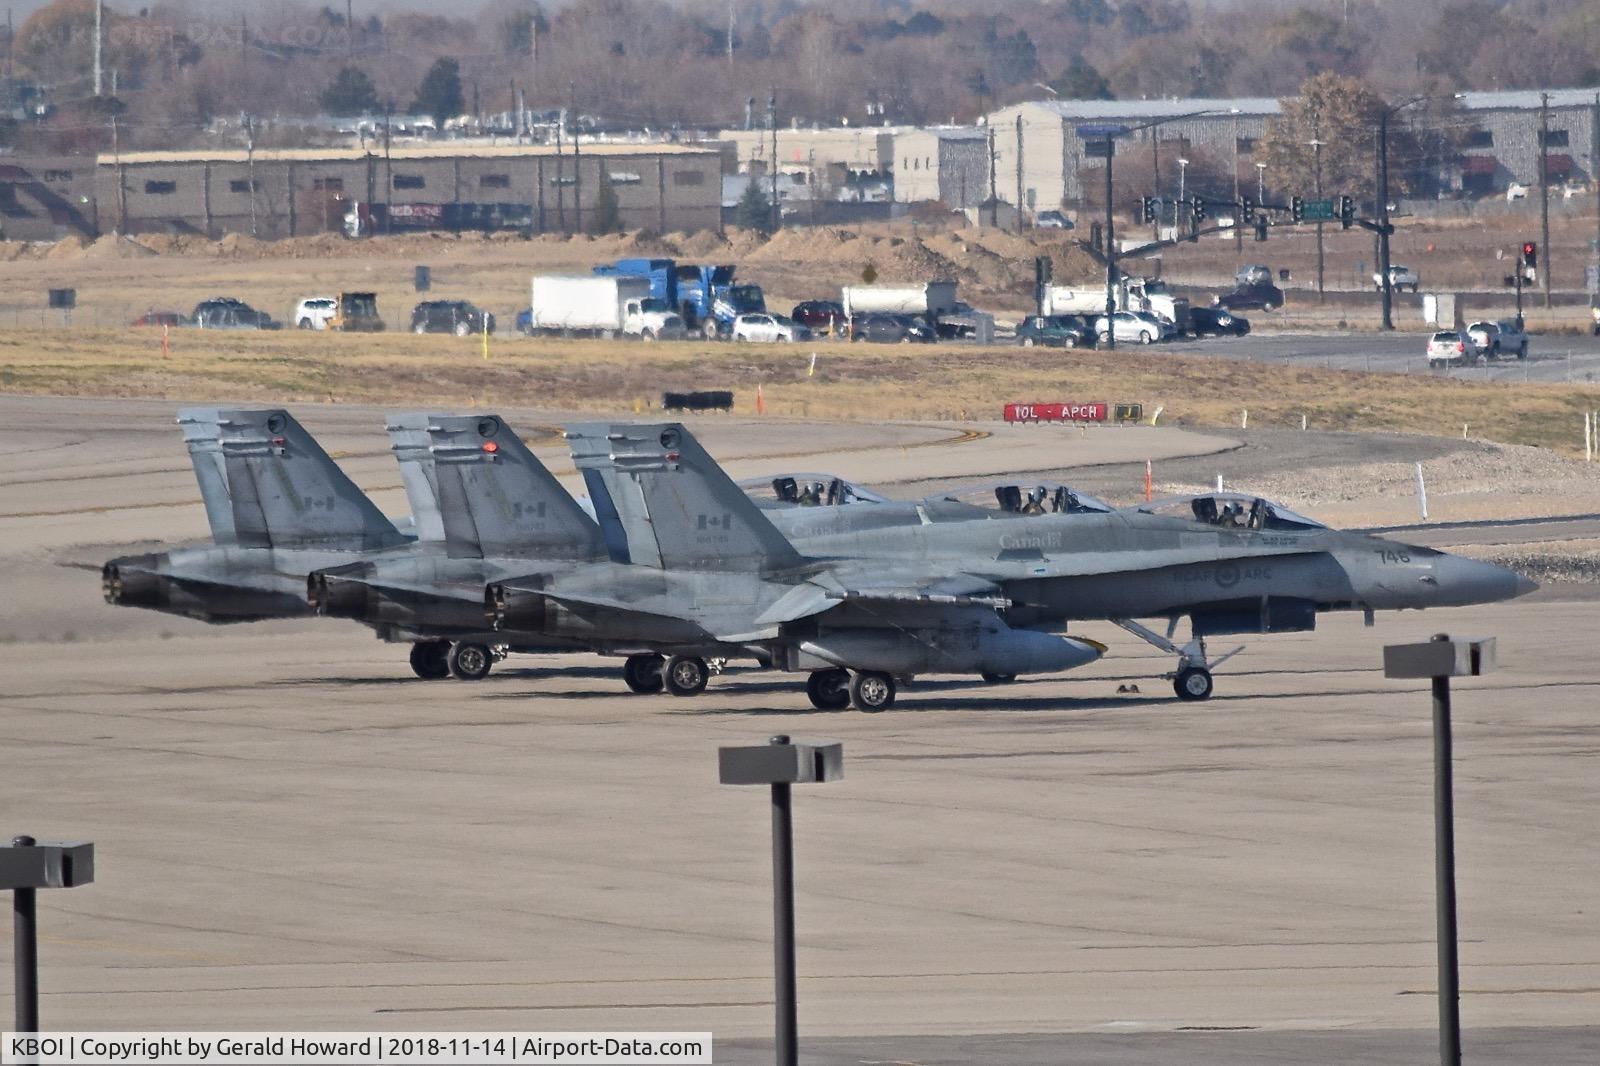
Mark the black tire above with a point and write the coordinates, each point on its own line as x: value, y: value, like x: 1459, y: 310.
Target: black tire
x: 1027, y: 342
x: 470, y: 662
x: 709, y: 329
x: 463, y: 329
x: 1269, y: 307
x: 1145, y: 337
x: 685, y: 675
x: 643, y: 673
x: 997, y: 679
x: 1193, y: 684
x: 420, y: 328
x: 430, y: 660
x: 305, y: 323
x: 871, y: 691
x: 1522, y: 352
x: 829, y: 690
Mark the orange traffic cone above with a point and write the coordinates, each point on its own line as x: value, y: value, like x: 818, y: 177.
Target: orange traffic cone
x: 761, y: 402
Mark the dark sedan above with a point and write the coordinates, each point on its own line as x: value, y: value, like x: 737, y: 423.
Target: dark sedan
x: 1217, y: 322
x: 890, y: 329
x: 1251, y: 298
x: 1054, y: 331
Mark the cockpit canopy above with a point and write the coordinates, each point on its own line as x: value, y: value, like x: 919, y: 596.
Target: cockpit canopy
x: 807, y: 490
x: 1231, y: 510
x: 1025, y: 498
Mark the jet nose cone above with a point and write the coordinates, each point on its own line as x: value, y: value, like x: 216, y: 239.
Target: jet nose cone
x: 1467, y: 581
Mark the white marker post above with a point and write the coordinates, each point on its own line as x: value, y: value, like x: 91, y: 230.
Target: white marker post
x: 1422, y: 494
x: 1219, y: 482
x: 1244, y: 418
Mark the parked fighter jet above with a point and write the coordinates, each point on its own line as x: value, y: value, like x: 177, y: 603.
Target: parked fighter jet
x: 278, y: 508
x: 972, y: 596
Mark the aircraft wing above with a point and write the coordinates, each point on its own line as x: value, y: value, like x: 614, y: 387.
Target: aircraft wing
x: 881, y: 586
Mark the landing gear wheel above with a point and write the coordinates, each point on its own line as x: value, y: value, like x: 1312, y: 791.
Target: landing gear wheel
x: 829, y: 689
x: 430, y: 659
x: 470, y: 662
x: 998, y: 679
x: 1193, y: 683
x: 871, y: 691
x: 643, y: 673
x: 685, y: 675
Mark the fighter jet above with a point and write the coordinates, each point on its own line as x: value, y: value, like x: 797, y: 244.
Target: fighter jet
x: 278, y: 508
x: 862, y: 609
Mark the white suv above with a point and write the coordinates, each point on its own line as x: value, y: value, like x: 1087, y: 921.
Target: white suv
x: 765, y: 326
x: 315, y: 312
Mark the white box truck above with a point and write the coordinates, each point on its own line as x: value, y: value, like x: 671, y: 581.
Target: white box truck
x: 589, y: 306
x: 1134, y: 294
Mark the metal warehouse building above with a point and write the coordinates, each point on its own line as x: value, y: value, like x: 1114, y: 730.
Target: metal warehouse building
x: 946, y: 163
x: 280, y: 193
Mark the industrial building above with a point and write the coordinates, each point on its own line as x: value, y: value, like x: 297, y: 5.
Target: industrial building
x: 1502, y: 146
x: 856, y: 149
x: 949, y: 164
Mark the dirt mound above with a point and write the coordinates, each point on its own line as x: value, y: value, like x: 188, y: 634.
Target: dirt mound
x: 705, y: 245
x: 241, y: 246
x: 71, y: 247
x: 11, y: 251
x: 114, y: 246
x: 644, y: 243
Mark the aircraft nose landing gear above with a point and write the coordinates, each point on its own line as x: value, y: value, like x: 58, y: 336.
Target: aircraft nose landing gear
x: 1192, y: 679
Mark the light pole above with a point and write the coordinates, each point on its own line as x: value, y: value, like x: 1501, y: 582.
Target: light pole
x: 1316, y: 154
x: 1177, y: 207
x: 1261, y: 183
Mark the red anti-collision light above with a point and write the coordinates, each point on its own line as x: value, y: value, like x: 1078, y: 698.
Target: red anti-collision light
x: 490, y: 446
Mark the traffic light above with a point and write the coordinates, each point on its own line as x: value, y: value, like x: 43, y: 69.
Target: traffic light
x: 1297, y: 209
x: 1261, y: 227
x: 1197, y: 207
x: 1042, y: 270
x: 1347, y: 211
x: 1530, y: 255
x: 1247, y: 210
x: 1147, y: 210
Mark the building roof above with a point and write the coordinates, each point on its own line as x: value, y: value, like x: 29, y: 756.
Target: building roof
x: 1132, y: 109
x: 953, y: 133
x: 442, y: 150
x: 1528, y: 99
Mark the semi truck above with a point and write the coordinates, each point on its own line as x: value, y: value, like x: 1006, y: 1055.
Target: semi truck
x: 1133, y: 294
x: 587, y: 306
x: 705, y: 295
x: 929, y: 301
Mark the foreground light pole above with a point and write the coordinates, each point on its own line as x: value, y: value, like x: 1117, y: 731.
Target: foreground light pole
x: 25, y: 867
x: 1440, y: 659
x: 781, y: 764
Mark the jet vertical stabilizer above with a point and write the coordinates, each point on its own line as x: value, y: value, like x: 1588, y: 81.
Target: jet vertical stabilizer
x: 284, y: 489
x: 498, y: 500
x: 412, y: 447
x: 200, y: 434
x: 678, y: 508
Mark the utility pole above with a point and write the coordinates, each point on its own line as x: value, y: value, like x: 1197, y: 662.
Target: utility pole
x: 1111, y: 253
x: 99, y: 45
x: 1177, y: 205
x: 116, y: 155
x: 388, y: 165
x: 772, y: 124
x: 1155, y: 174
x: 1544, y: 189
x: 1383, y: 218
x: 1019, y: 170
x: 994, y: 192
x: 1594, y: 161
x: 561, y: 174
x: 730, y: 33
x: 350, y: 30
x: 250, y: 170
x: 1316, y: 155
x: 577, y: 160
x: 1238, y: 219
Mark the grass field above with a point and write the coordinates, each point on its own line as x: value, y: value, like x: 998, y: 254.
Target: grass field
x: 851, y: 382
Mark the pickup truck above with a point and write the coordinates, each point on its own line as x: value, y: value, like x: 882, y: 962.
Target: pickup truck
x: 1400, y: 277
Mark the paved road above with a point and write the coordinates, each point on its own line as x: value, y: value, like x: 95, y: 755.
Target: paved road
x: 1401, y: 353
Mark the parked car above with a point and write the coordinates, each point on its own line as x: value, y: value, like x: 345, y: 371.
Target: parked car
x: 450, y: 316
x: 1052, y: 220
x: 1493, y: 339
x: 1135, y: 326
x: 175, y: 319
x: 820, y: 316
x: 315, y: 312
x: 1054, y: 331
x: 1400, y: 277
x: 1250, y: 298
x: 890, y: 329
x: 1446, y: 347
x: 1217, y: 322
x: 225, y: 312
x: 763, y: 326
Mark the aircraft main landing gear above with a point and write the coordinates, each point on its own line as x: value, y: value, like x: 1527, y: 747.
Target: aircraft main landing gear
x: 643, y: 673
x: 430, y: 659
x: 872, y: 691
x: 470, y: 662
x: 829, y: 689
x: 686, y: 675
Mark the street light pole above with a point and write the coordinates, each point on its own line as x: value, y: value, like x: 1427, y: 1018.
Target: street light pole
x: 1316, y: 152
x: 1544, y: 189
x: 1238, y: 216
x: 1111, y: 253
x: 1383, y: 218
x: 1261, y: 184
x: 1177, y: 207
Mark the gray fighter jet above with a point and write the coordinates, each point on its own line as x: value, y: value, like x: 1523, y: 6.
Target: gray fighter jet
x: 867, y: 607
x: 278, y: 508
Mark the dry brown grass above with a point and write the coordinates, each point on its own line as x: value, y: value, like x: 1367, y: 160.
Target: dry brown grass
x: 852, y: 382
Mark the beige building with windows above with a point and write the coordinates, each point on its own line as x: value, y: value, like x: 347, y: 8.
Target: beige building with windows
x: 949, y: 164
x: 859, y: 149
x: 661, y: 187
